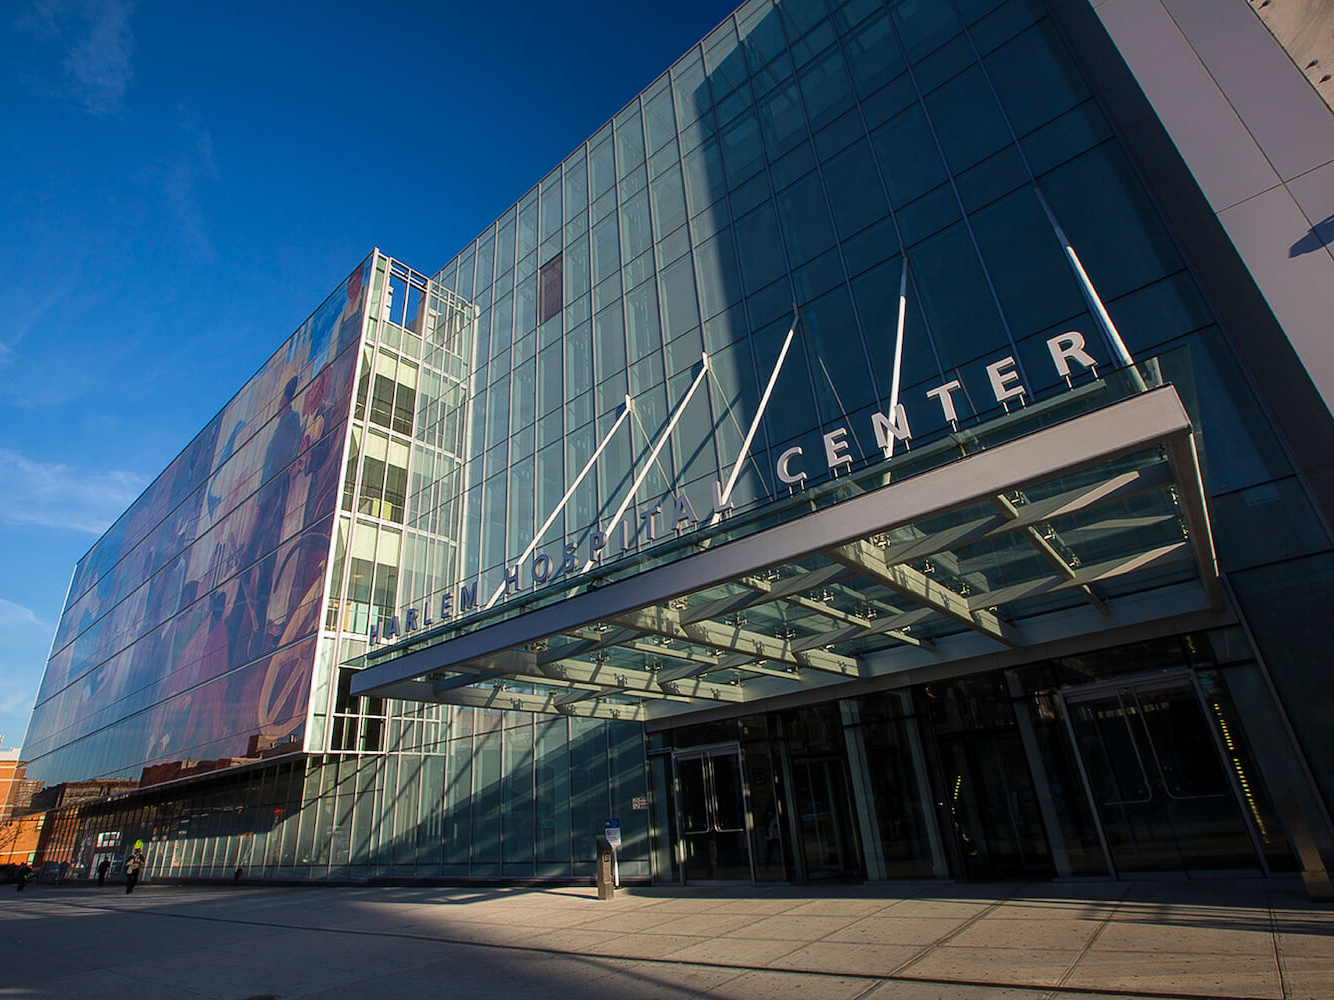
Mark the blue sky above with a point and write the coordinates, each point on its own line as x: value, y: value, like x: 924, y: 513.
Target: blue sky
x: 181, y: 184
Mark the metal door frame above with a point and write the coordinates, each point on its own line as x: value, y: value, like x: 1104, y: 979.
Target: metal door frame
x: 1181, y: 678
x: 849, y: 838
x: 711, y: 750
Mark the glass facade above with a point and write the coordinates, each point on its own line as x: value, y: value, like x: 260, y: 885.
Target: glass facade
x: 505, y: 795
x: 190, y: 627
x: 397, y: 523
x: 679, y: 316
x: 797, y: 156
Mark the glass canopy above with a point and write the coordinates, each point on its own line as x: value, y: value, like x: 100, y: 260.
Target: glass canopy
x: 1075, y: 504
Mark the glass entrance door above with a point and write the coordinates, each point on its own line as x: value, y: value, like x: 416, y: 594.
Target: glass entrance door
x: 711, y: 816
x: 827, y: 844
x: 990, y: 795
x: 1157, y: 777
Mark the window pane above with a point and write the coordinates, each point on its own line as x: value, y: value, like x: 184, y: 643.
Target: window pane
x: 1112, y: 225
x: 782, y: 119
x: 1028, y: 268
x: 908, y: 156
x: 669, y: 204
x: 636, y: 233
x: 967, y: 120
x: 855, y: 189
x: 680, y: 312
x: 825, y: 86
x: 550, y: 212
x: 719, y: 281
x: 629, y: 143
x: 760, y: 248
x: 659, y: 120
x: 641, y: 312
x: 805, y: 220
x: 1035, y: 78
x: 954, y: 292
x: 873, y: 55
x: 550, y: 288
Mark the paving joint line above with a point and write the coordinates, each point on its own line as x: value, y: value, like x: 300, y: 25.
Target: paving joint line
x: 871, y: 987
x: 1280, y: 962
x: 946, y: 938
x: 1106, y: 922
x: 894, y: 976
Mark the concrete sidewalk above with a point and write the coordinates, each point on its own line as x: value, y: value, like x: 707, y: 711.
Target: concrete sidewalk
x: 1223, y: 939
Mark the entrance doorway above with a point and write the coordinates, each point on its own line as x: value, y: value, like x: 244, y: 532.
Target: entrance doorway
x: 827, y: 847
x: 712, y: 821
x: 994, y: 808
x: 1155, y: 772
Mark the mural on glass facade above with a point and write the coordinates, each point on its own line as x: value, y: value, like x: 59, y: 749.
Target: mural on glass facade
x: 189, y: 630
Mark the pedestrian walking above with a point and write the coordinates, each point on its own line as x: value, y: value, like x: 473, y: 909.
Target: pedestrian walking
x: 102, y: 869
x: 133, y: 868
x: 25, y: 870
x: 64, y: 870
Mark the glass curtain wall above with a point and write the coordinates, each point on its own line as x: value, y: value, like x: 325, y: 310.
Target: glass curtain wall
x: 491, y: 794
x: 190, y: 627
x: 800, y: 155
x: 812, y: 153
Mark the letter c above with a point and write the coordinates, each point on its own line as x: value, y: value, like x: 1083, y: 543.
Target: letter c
x: 783, y: 473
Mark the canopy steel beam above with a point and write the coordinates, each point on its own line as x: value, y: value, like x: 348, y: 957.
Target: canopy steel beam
x: 585, y: 644
x: 733, y: 661
x: 1073, y: 501
x: 870, y: 561
x: 1154, y: 559
x: 464, y: 679
x: 519, y: 701
x: 1048, y: 551
x: 702, y: 662
x: 665, y: 622
x: 823, y: 608
x: 1191, y: 497
x: 777, y: 589
x: 645, y: 682
x: 523, y: 666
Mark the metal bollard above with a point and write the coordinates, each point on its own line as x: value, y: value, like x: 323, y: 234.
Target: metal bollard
x: 606, y: 888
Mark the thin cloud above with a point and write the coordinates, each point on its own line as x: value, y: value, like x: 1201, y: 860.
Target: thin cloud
x: 25, y: 322
x: 182, y: 177
x: 98, y: 47
x: 24, y: 639
x: 19, y: 681
x: 22, y: 628
x: 49, y: 495
x: 14, y: 616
